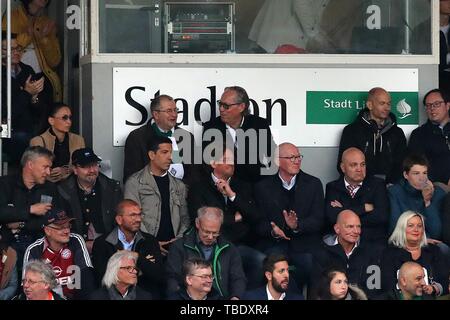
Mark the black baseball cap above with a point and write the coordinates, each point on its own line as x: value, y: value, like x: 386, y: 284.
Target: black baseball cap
x: 84, y: 157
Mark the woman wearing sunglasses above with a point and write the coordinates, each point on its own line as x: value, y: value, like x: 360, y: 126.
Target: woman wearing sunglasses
x: 60, y: 141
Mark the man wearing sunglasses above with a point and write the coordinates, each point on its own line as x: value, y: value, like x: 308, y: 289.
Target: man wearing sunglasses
x: 92, y: 196
x: 67, y: 253
x: 28, y: 105
x: 248, y: 135
x: 432, y: 139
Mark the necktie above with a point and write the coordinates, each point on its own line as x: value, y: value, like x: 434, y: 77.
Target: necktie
x: 352, y: 189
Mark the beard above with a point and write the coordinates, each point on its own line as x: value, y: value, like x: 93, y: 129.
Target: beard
x: 277, y: 286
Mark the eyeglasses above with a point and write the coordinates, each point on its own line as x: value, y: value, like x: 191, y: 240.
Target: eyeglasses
x: 30, y: 282
x: 169, y: 110
x: 68, y: 226
x: 225, y: 105
x: 64, y: 117
x: 293, y: 158
x: 209, y: 233
x: 17, y: 49
x: 204, y: 276
x: 434, y: 105
x: 130, y: 269
x: 134, y: 215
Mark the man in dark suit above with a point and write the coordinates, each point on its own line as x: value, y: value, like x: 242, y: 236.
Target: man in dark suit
x: 276, y: 273
x: 222, y: 190
x: 247, y: 134
x: 163, y: 123
x: 291, y: 205
x: 364, y: 195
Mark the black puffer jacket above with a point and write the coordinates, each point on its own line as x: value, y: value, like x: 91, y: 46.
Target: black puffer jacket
x: 383, y: 147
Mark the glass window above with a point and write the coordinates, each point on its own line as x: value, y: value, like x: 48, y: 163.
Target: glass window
x: 266, y: 26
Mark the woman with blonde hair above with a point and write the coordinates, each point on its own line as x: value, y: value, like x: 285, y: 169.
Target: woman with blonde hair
x: 408, y: 242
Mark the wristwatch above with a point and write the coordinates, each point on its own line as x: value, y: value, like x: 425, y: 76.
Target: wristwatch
x: 21, y: 225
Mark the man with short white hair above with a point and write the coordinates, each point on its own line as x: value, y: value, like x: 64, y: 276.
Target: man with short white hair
x: 291, y: 206
x: 38, y: 282
x: 206, y: 241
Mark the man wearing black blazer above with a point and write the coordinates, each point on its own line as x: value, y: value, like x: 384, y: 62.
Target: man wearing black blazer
x: 247, y: 134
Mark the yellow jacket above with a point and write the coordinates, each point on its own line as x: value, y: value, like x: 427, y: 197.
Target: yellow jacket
x: 47, y: 48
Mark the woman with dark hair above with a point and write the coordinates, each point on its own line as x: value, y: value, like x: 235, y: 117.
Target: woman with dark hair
x: 8, y: 270
x: 59, y: 140
x: 36, y: 33
x: 333, y: 285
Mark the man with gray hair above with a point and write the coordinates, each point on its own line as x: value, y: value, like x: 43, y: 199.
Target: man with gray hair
x: 248, y: 134
x: 163, y: 123
x: 120, y: 279
x: 27, y: 197
x: 205, y: 241
x: 38, y: 282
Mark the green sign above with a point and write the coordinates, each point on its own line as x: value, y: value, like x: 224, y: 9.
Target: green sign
x: 342, y: 107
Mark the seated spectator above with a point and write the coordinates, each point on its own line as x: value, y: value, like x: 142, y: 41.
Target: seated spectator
x: 120, y: 279
x: 92, y: 196
x: 431, y: 139
x: 364, y: 195
x: 334, y: 285
x: 161, y: 197
x: 276, y: 274
x: 198, y: 281
x: 234, y: 197
x: 344, y: 250
x: 25, y: 198
x: 291, y: 205
x: 38, y: 282
x: 67, y: 253
x: 376, y: 133
x: 163, y: 123
x: 446, y: 220
x: 417, y: 193
x: 206, y: 241
x: 408, y: 242
x: 8, y: 270
x: 247, y: 134
x: 127, y: 236
x: 411, y: 284
x: 28, y: 107
x: 59, y: 140
x: 37, y: 34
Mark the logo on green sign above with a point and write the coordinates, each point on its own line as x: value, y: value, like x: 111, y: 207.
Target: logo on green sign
x: 342, y: 107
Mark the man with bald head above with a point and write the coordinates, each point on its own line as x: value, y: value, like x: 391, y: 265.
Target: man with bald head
x: 411, y: 283
x: 364, y: 195
x: 344, y: 250
x: 291, y: 206
x: 375, y: 132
